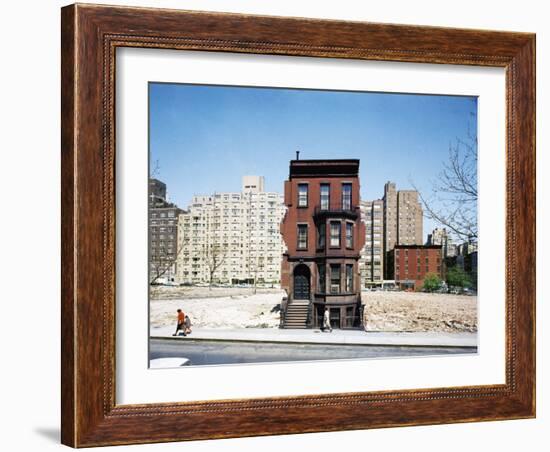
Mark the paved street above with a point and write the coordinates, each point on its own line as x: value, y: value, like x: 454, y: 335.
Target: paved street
x: 205, y: 352
x: 315, y: 336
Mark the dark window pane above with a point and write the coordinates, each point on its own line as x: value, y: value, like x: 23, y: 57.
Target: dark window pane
x: 349, y: 277
x: 322, y: 278
x: 321, y: 235
x: 335, y: 278
x: 302, y: 236
x: 349, y: 235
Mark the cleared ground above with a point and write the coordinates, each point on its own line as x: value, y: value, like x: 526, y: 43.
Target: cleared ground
x: 241, y: 308
x: 412, y: 311
x: 218, y: 307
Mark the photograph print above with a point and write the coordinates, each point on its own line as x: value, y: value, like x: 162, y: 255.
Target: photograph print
x: 302, y: 225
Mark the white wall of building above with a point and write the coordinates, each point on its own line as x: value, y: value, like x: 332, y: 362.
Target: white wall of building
x: 239, y: 232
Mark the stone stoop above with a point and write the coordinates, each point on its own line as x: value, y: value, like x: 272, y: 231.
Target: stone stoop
x: 296, y: 315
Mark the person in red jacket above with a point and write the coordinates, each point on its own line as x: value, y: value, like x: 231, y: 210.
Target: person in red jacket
x: 181, y: 323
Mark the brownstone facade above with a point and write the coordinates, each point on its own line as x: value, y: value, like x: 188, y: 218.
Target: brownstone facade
x: 409, y: 264
x: 324, y: 234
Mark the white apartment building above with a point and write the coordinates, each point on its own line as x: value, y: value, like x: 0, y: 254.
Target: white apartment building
x: 372, y: 254
x: 233, y: 236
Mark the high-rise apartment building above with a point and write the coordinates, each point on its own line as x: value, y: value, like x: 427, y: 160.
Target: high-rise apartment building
x: 372, y: 254
x: 390, y: 216
x: 402, y: 218
x: 440, y: 236
x: 232, y: 237
x: 157, y: 191
x: 466, y: 248
x: 163, y: 234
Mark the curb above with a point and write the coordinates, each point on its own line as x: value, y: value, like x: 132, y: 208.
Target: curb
x: 257, y: 341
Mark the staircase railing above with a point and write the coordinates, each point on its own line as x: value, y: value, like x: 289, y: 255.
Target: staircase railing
x: 282, y: 312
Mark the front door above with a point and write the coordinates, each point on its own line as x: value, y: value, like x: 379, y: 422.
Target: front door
x: 335, y: 317
x: 301, y: 283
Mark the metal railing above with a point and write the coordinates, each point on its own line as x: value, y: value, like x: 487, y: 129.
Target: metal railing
x: 336, y: 208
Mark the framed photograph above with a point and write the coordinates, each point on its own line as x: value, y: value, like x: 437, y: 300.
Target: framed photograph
x: 281, y: 225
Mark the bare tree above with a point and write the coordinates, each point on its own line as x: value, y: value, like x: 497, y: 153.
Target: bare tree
x: 155, y: 169
x: 163, y: 262
x: 453, y: 198
x: 214, y: 258
x: 257, y: 267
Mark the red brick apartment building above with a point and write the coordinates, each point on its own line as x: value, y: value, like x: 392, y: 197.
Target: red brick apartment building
x: 408, y: 265
x: 324, y: 234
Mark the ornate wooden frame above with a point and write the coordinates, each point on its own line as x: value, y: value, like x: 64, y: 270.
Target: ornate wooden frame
x: 90, y: 35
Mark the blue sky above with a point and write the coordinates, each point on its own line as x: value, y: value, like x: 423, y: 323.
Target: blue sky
x: 206, y: 137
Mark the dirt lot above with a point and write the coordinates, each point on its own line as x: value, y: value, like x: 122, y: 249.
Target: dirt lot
x: 217, y: 307
x: 241, y: 308
x: 411, y: 311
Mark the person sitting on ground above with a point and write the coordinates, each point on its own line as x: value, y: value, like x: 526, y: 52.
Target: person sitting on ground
x: 181, y: 323
x: 187, y: 324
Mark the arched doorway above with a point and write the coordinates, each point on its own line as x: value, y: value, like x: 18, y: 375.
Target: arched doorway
x: 302, y: 284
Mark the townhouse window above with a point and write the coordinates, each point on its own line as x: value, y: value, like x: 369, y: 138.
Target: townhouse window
x: 335, y: 234
x: 302, y: 236
x: 335, y: 278
x: 349, y: 235
x: 325, y: 196
x: 302, y: 195
x: 321, y: 268
x: 349, y: 277
x: 321, y: 235
x: 346, y: 196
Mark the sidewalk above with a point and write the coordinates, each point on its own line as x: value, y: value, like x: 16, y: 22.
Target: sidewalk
x: 315, y: 336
